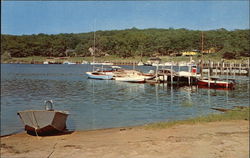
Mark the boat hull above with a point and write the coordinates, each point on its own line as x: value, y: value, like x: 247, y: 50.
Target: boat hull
x: 93, y: 63
x: 215, y: 84
x: 99, y: 76
x: 43, y: 122
x: 130, y: 79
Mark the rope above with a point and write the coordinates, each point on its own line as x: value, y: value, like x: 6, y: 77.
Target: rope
x: 37, y: 126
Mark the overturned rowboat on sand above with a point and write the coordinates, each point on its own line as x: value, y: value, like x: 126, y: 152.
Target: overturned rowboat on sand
x: 44, y: 122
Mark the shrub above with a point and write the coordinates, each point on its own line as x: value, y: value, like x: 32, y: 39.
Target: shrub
x: 229, y: 55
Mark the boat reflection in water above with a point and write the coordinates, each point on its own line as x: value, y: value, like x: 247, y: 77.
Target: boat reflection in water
x: 119, y: 74
x: 96, y: 104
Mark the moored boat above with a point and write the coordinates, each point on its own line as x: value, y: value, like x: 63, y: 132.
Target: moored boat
x: 140, y: 63
x: 104, y: 63
x: 68, y: 62
x: 183, y: 77
x: 103, y: 73
x: 99, y: 75
x: 132, y: 76
x: 84, y: 62
x: 216, y: 83
x: 132, y: 79
x: 44, y: 122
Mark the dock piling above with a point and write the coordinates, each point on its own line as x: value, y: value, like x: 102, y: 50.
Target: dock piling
x: 172, y: 73
x: 227, y: 79
x: 240, y: 69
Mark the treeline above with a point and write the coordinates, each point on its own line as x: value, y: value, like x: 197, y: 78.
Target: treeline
x: 127, y: 43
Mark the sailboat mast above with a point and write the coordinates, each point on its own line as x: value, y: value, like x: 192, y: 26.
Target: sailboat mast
x: 202, y: 43
x: 93, y: 50
x: 93, y: 54
x: 94, y: 41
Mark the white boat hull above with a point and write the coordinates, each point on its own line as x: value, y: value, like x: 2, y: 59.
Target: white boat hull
x: 99, y: 75
x: 131, y: 79
x: 93, y: 63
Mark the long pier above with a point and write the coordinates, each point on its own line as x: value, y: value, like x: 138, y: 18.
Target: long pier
x: 225, y: 68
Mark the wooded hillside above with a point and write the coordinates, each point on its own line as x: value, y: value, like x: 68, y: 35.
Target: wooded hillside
x: 127, y: 43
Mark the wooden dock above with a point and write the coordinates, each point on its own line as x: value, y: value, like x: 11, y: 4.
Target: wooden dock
x: 226, y: 68
x: 214, y: 68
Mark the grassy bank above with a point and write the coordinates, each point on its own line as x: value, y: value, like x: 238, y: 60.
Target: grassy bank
x: 136, y: 59
x: 40, y: 60
x: 236, y: 114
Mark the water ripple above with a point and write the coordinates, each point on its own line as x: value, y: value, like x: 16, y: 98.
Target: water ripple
x: 97, y: 104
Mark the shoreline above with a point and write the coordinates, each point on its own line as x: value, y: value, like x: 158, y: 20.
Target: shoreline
x: 117, y: 60
x: 205, y: 139
x: 236, y: 113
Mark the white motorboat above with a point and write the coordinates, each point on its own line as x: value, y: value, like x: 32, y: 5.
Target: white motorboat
x: 103, y: 73
x: 67, y: 62
x: 104, y: 63
x: 99, y: 75
x: 84, y: 62
x: 132, y: 79
x: 132, y: 76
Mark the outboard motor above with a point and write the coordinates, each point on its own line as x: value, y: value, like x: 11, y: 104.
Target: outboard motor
x: 48, y: 105
x: 151, y: 72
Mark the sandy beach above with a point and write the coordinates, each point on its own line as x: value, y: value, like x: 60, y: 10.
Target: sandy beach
x: 227, y: 139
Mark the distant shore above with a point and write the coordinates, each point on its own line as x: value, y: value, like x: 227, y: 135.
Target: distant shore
x: 225, y: 136
x: 129, y: 61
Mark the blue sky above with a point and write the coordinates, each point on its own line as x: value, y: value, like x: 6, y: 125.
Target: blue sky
x: 53, y: 17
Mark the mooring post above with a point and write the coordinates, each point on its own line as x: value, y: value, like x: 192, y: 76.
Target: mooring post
x: 157, y: 69
x: 222, y: 67
x: 218, y: 65
x: 227, y: 78
x: 179, y: 69
x: 230, y: 68
x: 189, y: 70
x: 240, y: 69
x: 171, y: 72
x: 210, y: 67
x: 189, y: 82
x: 234, y: 73
x: 216, y: 69
x: 248, y: 66
x: 208, y: 76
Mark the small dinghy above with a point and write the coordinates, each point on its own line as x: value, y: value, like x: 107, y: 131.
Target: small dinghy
x: 44, y: 122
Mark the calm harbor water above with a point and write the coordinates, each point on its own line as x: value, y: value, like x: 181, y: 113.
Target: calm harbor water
x: 95, y: 104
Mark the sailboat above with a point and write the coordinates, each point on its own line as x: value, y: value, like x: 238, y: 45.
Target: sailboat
x: 98, y: 74
x: 213, y: 82
x: 133, y: 76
